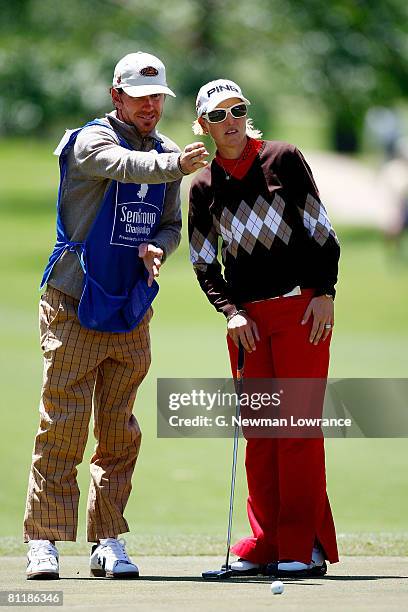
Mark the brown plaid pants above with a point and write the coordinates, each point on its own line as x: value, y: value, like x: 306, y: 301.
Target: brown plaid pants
x: 84, y: 368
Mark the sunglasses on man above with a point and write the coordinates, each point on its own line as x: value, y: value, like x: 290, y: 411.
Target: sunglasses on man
x: 220, y: 114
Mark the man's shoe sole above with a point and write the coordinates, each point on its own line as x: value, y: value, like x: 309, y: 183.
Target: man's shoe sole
x: 43, y: 576
x: 100, y: 573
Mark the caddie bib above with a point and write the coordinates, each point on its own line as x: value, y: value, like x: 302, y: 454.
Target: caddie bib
x: 115, y: 294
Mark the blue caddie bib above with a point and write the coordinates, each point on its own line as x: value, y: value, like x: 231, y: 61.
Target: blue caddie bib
x: 115, y: 295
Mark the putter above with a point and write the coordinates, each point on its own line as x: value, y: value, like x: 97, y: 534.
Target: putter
x: 226, y: 571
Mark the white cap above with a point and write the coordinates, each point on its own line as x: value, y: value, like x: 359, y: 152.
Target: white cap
x: 141, y: 74
x: 214, y: 92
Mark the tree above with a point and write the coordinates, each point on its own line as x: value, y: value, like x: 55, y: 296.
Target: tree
x: 56, y: 61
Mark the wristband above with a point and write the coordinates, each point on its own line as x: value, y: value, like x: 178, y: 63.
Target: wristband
x: 232, y: 315
x: 179, y: 166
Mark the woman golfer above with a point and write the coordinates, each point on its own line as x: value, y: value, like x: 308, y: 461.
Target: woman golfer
x: 280, y: 256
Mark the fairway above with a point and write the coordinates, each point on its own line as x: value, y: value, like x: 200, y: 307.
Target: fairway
x: 180, y: 486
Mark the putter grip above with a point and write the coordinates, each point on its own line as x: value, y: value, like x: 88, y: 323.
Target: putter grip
x: 241, y: 359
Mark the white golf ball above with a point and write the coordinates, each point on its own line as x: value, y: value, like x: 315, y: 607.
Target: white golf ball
x: 277, y: 587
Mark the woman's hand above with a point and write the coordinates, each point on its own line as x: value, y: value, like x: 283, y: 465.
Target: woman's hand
x: 242, y: 328
x: 322, y: 309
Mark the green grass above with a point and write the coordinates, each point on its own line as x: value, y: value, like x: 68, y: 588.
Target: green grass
x: 181, y: 486
x: 182, y: 544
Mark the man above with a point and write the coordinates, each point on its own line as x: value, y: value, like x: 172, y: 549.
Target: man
x: 118, y: 218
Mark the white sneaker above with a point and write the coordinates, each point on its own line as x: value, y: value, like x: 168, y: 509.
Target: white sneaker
x: 243, y: 567
x: 42, y: 561
x: 298, y: 566
x: 109, y: 559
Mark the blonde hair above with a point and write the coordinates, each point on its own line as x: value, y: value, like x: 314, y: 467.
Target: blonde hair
x: 251, y: 131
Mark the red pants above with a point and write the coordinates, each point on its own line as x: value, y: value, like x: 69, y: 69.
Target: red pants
x: 288, y: 507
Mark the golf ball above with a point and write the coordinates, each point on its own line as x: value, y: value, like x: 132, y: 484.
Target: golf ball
x: 277, y: 587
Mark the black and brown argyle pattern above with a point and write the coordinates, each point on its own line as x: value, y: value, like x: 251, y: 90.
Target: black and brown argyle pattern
x: 203, y: 249
x: 316, y: 220
x: 263, y: 222
x: 268, y: 244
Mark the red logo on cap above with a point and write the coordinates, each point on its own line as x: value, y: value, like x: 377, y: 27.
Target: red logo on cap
x: 118, y: 79
x: 149, y: 71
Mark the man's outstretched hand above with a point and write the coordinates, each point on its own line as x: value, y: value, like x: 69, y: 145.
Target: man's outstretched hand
x: 193, y: 157
x: 152, y: 259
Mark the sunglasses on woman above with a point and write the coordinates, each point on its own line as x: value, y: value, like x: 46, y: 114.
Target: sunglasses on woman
x: 220, y: 114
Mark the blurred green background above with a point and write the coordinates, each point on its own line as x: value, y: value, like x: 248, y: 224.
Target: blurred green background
x: 331, y: 80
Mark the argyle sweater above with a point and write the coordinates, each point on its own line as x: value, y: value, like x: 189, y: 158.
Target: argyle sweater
x: 273, y: 230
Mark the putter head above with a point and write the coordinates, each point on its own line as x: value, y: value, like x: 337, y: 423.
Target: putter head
x: 221, y: 574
